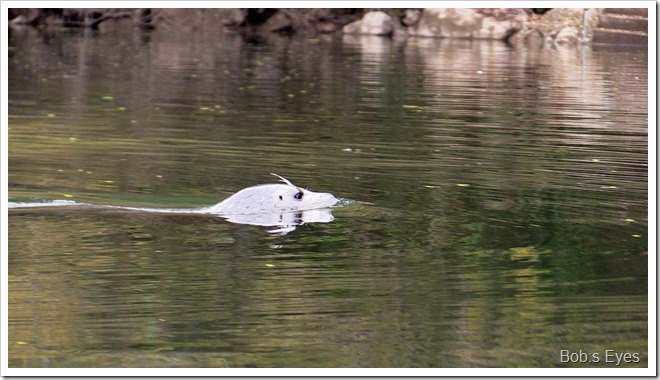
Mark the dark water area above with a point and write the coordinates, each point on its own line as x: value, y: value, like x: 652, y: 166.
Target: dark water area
x: 501, y: 211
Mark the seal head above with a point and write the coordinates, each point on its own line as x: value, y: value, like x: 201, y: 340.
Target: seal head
x: 272, y: 198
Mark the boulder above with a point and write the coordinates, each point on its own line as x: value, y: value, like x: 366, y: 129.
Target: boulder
x: 279, y: 22
x: 373, y: 23
x: 411, y: 17
x: 566, y: 27
x: 468, y: 23
x: 568, y: 36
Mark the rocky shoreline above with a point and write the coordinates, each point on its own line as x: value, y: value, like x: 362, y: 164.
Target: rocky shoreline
x: 518, y: 26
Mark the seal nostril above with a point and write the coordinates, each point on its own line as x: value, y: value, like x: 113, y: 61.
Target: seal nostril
x: 280, y: 197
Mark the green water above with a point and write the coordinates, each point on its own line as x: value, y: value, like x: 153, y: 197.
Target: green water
x: 502, y: 213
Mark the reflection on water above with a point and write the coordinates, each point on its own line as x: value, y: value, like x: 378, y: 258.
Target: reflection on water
x: 504, y: 215
x: 285, y: 221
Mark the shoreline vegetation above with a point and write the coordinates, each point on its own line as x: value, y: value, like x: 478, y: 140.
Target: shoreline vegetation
x: 517, y: 26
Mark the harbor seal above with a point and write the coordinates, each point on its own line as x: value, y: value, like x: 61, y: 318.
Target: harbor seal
x: 272, y: 198
x: 284, y: 206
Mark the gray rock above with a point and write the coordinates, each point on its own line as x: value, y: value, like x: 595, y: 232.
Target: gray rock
x: 465, y: 23
x: 373, y: 23
x: 233, y: 16
x: 568, y: 36
x: 411, y: 17
x: 559, y: 27
x: 277, y: 23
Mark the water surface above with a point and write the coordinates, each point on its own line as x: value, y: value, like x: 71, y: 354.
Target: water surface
x: 503, y: 215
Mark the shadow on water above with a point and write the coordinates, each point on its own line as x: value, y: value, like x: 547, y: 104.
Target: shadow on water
x: 504, y: 215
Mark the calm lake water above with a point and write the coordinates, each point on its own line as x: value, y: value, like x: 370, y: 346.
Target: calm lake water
x: 500, y: 215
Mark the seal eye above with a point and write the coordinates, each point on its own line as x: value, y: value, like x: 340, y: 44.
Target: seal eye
x: 298, y: 195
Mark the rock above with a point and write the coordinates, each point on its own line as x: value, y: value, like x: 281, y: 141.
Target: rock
x: 373, y: 23
x: 567, y: 36
x: 468, y: 23
x: 279, y: 22
x: 233, y: 16
x: 559, y: 27
x: 20, y: 20
x: 411, y: 17
x: 534, y: 39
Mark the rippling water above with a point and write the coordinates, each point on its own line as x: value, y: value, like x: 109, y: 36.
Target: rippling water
x: 501, y: 212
